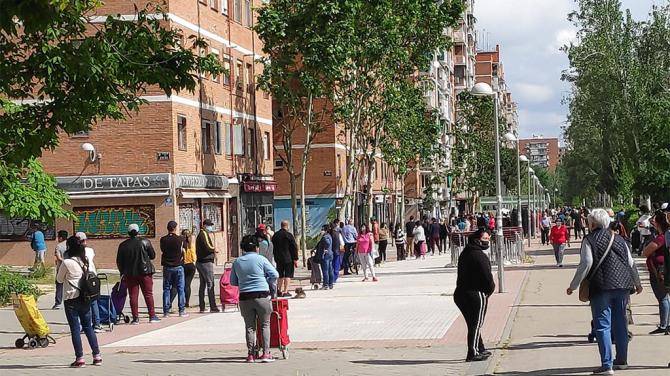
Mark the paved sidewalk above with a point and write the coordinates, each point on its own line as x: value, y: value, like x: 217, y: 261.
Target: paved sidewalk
x: 549, y: 334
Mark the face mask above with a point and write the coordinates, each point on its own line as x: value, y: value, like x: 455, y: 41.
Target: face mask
x: 484, y: 244
x: 210, y: 228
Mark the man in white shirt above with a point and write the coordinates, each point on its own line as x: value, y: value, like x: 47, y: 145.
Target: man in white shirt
x: 644, y: 227
x: 90, y: 255
x: 61, y: 247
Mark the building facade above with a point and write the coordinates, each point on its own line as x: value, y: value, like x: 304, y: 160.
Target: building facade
x: 186, y: 157
x: 541, y: 151
x: 490, y: 69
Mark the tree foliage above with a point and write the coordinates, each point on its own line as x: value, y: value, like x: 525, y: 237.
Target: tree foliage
x: 619, y: 105
x: 60, y: 72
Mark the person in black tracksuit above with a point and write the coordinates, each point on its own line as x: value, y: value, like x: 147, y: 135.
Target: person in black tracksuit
x: 474, y: 285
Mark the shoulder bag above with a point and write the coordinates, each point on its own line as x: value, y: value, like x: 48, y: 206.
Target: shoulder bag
x: 585, y: 286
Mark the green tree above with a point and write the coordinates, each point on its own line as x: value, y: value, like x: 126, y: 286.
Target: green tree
x: 60, y: 73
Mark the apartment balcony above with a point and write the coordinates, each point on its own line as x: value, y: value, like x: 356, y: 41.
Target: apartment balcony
x: 459, y: 36
x: 460, y: 60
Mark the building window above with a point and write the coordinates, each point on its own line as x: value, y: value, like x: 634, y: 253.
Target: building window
x: 249, y: 78
x: 238, y: 139
x: 213, y: 212
x: 226, y: 67
x: 206, y: 137
x: 239, y: 80
x: 250, y: 144
x: 181, y: 132
x: 266, y: 146
x: 215, y: 77
x: 213, y: 4
x: 217, y: 137
x: 237, y: 16
x: 189, y: 218
x: 247, y: 12
x: 228, y: 141
x: 279, y: 164
x: 224, y: 7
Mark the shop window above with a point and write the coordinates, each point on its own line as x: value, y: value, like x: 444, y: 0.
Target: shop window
x: 189, y: 218
x: 266, y: 146
x: 217, y: 138
x: 181, y: 132
x: 206, y: 137
x: 213, y: 212
x: 109, y: 222
x: 18, y: 229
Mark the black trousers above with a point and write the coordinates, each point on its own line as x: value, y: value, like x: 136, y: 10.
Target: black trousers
x: 382, y: 251
x: 400, y: 250
x: 473, y: 305
x: 545, y: 236
x: 348, y: 251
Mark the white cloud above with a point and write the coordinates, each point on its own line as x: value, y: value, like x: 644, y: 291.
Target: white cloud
x: 563, y: 38
x: 533, y: 93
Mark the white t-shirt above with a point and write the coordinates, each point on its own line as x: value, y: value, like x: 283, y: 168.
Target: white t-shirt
x: 643, y: 225
x: 90, y: 255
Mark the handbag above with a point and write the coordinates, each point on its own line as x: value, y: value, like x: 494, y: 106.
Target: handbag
x: 374, y: 252
x: 585, y: 286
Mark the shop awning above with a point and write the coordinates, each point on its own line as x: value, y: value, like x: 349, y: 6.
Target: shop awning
x: 205, y: 194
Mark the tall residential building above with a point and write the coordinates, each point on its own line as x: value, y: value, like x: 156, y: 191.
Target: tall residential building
x: 541, y: 151
x: 490, y: 69
x: 465, y: 49
x: 185, y: 157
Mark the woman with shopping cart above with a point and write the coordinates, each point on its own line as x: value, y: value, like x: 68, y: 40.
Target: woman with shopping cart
x: 250, y: 273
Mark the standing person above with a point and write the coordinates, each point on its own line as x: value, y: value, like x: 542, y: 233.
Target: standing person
x: 608, y: 264
x: 655, y: 253
x: 324, y: 253
x: 568, y: 224
x: 38, y: 245
x: 264, y: 247
x: 383, y: 243
x: 349, y: 234
x: 474, y: 285
x: 250, y: 273
x: 133, y: 260
x: 558, y: 237
x: 644, y: 227
x: 364, y: 244
x: 444, y: 233
x: 286, y: 256
x: 338, y: 248
x: 419, y: 239
x: 59, y: 255
x: 172, y: 261
x: 492, y: 222
x: 400, y: 242
x: 206, y: 253
x: 409, y: 232
x: 188, y: 247
x: 545, y: 226
x: 434, y: 236
x: 577, y: 223
x: 374, y: 227
x: 77, y: 308
x: 90, y: 256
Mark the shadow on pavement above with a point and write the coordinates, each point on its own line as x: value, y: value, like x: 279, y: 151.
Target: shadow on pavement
x: 571, y: 371
x: 36, y: 366
x: 230, y: 359
x: 539, y: 267
x: 404, y: 362
x: 547, y: 344
x: 552, y: 305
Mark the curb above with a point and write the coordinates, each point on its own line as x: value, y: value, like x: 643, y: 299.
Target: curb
x: 488, y: 368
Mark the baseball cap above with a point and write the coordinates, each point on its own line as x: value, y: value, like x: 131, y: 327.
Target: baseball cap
x: 81, y: 235
x: 261, y: 227
x: 133, y: 227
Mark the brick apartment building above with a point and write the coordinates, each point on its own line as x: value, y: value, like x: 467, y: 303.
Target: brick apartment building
x: 541, y: 151
x: 186, y: 157
x: 490, y: 69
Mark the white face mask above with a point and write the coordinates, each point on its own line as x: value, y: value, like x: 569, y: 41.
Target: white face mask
x: 210, y: 228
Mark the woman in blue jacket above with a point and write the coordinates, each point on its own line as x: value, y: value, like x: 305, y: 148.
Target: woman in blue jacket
x: 324, y: 253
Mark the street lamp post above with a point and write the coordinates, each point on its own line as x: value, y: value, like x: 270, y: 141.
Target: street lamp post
x: 530, y: 211
x: 484, y: 90
x: 512, y: 138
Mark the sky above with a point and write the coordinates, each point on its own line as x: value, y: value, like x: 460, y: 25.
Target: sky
x: 530, y: 33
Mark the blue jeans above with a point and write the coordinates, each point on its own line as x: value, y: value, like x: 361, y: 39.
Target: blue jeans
x: 95, y: 312
x: 327, y: 271
x: 337, y: 264
x: 76, y: 312
x: 663, y: 300
x: 173, y: 276
x: 609, y: 316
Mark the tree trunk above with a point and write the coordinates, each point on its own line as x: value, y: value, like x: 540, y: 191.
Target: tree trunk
x: 294, y: 203
x: 370, y: 197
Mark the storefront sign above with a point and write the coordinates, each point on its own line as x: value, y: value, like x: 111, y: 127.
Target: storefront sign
x: 194, y: 181
x: 260, y: 186
x: 163, y: 156
x: 108, y: 222
x: 114, y: 183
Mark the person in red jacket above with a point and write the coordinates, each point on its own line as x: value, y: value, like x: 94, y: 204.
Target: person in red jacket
x: 558, y: 237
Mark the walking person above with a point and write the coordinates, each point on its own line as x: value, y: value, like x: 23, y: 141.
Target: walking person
x: 38, y: 245
x: 188, y: 248
x: 364, y: 244
x: 444, y: 233
x: 134, y: 261
x: 383, y: 243
x: 655, y: 253
x: 606, y: 261
x: 250, y: 273
x: 59, y: 256
x: 264, y: 243
x: 349, y: 234
x: 577, y: 223
x: 400, y: 242
x: 545, y: 226
x: 338, y: 249
x: 644, y: 227
x: 420, y: 240
x: 324, y: 253
x: 206, y: 253
x: 434, y: 236
x: 558, y: 237
x: 409, y: 232
x: 77, y: 308
x: 474, y: 285
x: 172, y: 261
x: 285, y: 251
x: 568, y: 225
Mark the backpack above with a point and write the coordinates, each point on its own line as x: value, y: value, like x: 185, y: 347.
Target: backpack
x: 89, y: 285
